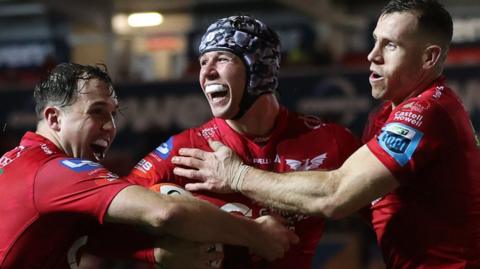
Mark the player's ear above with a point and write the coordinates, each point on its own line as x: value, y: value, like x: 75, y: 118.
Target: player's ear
x: 431, y: 56
x: 52, y: 116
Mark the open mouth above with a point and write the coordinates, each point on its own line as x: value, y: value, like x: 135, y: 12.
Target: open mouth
x: 99, y: 147
x: 216, y: 92
x: 375, y: 76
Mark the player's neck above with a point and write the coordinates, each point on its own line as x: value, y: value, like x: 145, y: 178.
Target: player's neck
x: 44, y: 130
x: 260, y: 119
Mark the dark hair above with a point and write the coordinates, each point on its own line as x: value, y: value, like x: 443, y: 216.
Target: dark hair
x: 433, y: 18
x: 61, y: 85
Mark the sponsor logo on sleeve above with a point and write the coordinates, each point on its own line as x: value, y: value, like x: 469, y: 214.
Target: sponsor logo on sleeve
x: 144, y: 166
x: 399, y: 141
x: 163, y: 151
x: 79, y: 165
x: 409, y: 117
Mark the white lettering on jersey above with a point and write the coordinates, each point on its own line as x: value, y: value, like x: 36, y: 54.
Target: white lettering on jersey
x: 438, y: 92
x: 144, y: 165
x: 4, y: 160
x: 73, y: 251
x: 45, y: 149
x: 209, y: 133
x: 409, y: 117
x: 261, y: 160
x: 163, y: 148
x: 306, y: 164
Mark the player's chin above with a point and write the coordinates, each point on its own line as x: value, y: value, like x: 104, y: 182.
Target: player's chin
x: 221, y: 113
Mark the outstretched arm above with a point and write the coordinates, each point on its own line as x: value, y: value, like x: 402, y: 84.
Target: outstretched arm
x: 196, y: 220
x: 360, y: 180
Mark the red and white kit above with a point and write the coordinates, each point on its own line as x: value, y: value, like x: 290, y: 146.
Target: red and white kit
x: 50, y: 204
x: 433, y: 217
x: 298, y: 143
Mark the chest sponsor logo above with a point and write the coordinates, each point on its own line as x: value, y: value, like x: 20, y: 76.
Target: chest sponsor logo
x: 399, y: 141
x: 79, y: 165
x: 261, y: 160
x: 163, y: 151
x: 306, y: 164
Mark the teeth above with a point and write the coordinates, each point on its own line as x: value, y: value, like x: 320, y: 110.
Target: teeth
x: 99, y: 155
x: 101, y: 143
x: 214, y: 88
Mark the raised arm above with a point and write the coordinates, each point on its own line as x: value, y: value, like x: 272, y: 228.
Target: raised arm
x: 360, y: 180
x: 196, y: 220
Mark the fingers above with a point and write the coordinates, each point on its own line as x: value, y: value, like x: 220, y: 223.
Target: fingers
x: 187, y: 161
x: 188, y: 173
x: 197, y: 187
x: 193, y: 152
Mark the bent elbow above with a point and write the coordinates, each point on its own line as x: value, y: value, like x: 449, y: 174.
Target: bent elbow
x: 163, y: 219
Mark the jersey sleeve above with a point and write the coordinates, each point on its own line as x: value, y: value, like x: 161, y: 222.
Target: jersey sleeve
x: 157, y: 167
x: 415, y: 133
x: 75, y: 186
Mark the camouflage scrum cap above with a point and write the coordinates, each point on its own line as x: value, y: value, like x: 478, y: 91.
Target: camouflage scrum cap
x: 253, y: 42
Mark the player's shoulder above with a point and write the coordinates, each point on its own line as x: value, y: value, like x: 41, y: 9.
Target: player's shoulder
x: 76, y: 167
x: 314, y: 124
x: 210, y: 130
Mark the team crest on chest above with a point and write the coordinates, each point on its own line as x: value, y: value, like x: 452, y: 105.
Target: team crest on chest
x: 306, y: 164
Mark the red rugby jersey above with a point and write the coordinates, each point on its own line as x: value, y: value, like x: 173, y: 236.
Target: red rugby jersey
x: 50, y: 203
x: 298, y: 142
x: 432, y: 220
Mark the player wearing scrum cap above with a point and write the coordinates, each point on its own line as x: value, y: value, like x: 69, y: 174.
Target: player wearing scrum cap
x: 240, y: 60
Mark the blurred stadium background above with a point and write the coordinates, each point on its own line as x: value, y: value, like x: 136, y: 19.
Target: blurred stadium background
x: 324, y: 72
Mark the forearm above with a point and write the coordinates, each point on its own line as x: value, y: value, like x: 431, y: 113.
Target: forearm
x: 200, y: 221
x: 181, y: 216
x: 308, y: 192
x: 337, y: 193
